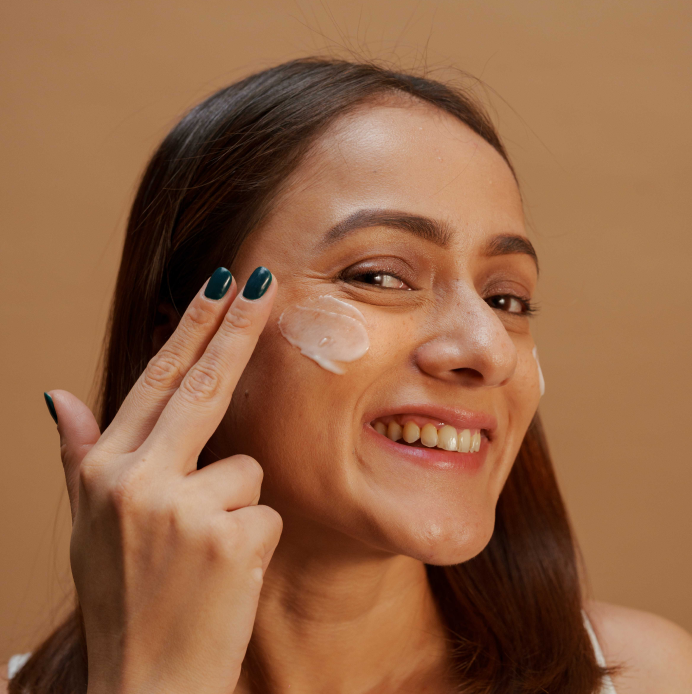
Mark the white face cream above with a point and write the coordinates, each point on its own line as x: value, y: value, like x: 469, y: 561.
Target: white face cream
x: 326, y: 330
x: 541, y: 380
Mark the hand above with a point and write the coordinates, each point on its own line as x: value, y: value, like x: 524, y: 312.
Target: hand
x: 168, y: 560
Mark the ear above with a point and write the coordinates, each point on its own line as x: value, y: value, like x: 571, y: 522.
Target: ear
x: 167, y: 319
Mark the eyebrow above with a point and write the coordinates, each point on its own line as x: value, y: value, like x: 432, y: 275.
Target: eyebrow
x: 427, y: 229
x: 423, y: 227
x: 507, y: 244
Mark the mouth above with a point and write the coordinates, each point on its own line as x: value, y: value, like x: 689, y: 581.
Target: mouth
x: 420, y: 431
x: 434, y: 436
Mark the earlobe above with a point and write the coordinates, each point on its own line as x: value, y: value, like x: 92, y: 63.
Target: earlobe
x: 167, y: 319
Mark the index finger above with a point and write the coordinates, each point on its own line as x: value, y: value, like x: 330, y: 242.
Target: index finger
x: 198, y: 406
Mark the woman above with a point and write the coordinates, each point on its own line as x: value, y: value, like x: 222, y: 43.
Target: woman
x: 368, y: 362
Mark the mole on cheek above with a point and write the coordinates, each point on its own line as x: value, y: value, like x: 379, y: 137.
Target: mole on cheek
x: 326, y: 330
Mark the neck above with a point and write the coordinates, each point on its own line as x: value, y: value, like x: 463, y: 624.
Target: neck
x: 341, y: 617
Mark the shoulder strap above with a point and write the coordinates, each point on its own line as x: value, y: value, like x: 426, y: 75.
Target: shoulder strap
x: 607, y: 686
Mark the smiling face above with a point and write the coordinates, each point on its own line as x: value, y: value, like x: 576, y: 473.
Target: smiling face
x: 406, y: 214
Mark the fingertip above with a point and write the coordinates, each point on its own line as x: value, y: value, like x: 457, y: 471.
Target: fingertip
x: 218, y: 284
x: 258, y: 283
x: 71, y: 416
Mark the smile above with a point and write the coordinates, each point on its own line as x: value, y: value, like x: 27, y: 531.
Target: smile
x: 414, y: 431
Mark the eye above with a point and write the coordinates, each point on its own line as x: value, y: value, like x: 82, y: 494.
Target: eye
x: 510, y: 304
x: 380, y: 279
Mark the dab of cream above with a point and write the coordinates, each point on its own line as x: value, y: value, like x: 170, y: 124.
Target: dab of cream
x: 326, y: 330
x: 541, y: 380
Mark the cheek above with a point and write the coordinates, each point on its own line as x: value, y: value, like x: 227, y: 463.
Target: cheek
x: 290, y: 374
x: 391, y: 342
x: 287, y: 411
x: 524, y: 392
x: 299, y: 420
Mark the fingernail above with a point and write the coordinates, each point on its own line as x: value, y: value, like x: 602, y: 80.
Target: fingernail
x: 51, y: 407
x: 219, y: 284
x: 258, y: 283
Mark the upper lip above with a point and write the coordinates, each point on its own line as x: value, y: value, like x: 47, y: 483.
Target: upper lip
x: 457, y: 417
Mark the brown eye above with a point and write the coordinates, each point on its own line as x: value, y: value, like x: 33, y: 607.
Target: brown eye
x: 509, y: 303
x: 382, y: 279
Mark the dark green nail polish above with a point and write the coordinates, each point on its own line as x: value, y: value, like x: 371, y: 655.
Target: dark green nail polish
x: 258, y: 283
x: 51, y: 407
x: 219, y: 284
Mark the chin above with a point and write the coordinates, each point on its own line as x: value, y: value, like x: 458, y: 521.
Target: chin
x: 447, y: 552
x: 441, y: 541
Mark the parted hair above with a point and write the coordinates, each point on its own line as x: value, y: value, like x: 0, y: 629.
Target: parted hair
x: 514, y: 612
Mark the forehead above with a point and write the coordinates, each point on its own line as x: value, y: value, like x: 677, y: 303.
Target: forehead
x: 412, y: 157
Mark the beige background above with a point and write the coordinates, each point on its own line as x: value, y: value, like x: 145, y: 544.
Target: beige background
x: 594, y: 100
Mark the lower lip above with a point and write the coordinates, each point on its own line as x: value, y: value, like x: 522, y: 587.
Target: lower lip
x: 431, y: 457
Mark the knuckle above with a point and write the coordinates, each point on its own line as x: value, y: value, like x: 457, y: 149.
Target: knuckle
x: 89, y: 476
x: 202, y: 383
x: 274, y: 521
x: 126, y: 491
x: 263, y: 526
x: 238, y: 318
x: 198, y: 316
x: 164, y: 371
x: 173, y: 516
x: 224, y: 540
x: 138, y: 507
x: 272, y: 526
x: 251, y: 468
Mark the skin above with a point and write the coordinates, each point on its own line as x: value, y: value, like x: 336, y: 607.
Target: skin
x: 346, y: 586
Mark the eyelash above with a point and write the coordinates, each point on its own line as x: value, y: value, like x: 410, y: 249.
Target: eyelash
x: 376, y: 273
x: 528, y: 308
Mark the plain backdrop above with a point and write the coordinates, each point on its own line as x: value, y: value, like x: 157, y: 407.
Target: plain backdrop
x: 594, y: 101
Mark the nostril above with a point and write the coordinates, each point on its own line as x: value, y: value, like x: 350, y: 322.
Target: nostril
x: 469, y: 375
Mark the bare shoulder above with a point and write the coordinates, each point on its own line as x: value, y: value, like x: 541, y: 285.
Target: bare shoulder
x: 3, y: 679
x: 654, y: 653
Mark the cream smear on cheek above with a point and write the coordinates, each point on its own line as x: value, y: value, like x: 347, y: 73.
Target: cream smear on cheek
x: 326, y: 330
x: 541, y: 380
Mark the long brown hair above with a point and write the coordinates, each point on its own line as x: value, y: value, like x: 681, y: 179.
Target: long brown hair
x: 514, y: 612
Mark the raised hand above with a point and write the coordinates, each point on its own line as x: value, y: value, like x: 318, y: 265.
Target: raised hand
x: 168, y: 560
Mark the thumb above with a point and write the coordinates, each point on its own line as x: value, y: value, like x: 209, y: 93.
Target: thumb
x: 78, y: 433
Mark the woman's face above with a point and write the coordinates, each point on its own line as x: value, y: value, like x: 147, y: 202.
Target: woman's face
x: 403, y: 212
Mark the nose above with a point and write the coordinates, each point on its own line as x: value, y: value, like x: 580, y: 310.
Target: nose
x: 470, y: 345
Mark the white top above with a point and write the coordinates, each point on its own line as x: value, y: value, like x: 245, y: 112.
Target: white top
x: 607, y: 687
x: 16, y: 662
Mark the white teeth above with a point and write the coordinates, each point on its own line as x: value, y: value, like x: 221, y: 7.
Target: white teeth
x: 464, y: 444
x: 411, y: 432
x: 476, y: 442
x: 428, y: 435
x: 393, y: 431
x: 446, y: 437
